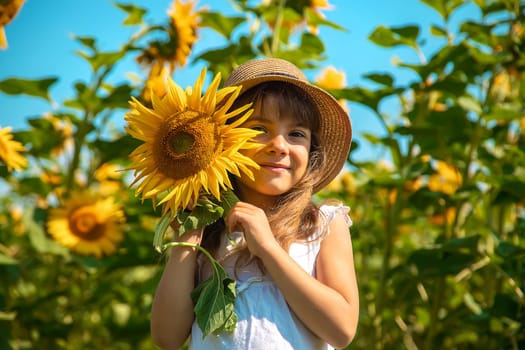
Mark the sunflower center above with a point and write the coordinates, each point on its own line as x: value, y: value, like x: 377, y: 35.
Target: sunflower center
x: 186, y: 144
x: 182, y: 142
x: 83, y: 223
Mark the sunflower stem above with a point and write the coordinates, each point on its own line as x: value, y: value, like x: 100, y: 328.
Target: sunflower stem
x: 190, y: 245
x: 277, y: 29
x: 160, y: 229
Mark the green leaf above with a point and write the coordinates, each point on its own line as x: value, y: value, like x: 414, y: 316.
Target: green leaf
x: 436, y: 262
x: 478, y: 32
x: 228, y: 200
x: 438, y: 31
x: 206, y: 212
x: 508, y: 250
x: 221, y: 24
x: 504, y: 111
x: 314, y: 18
x: 118, y: 97
x: 86, y: 99
x: 42, y: 137
x: 512, y: 189
x: 449, y: 84
x: 380, y: 78
x: 187, y: 222
x: 270, y: 14
x: 7, y: 260
x: 135, y: 13
x: 462, y: 244
x: 488, y: 58
x: 101, y: 59
x: 40, y: 241
x: 493, y: 6
x: 218, y: 55
x: 31, y: 87
x: 115, y: 149
x: 87, y: 41
x: 311, y: 44
x: 469, y: 103
x: 33, y: 185
x: 215, y: 301
x: 443, y: 7
x: 360, y: 95
x: 390, y: 37
x: 365, y: 96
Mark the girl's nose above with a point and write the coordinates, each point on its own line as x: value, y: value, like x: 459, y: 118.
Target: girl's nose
x: 278, y: 144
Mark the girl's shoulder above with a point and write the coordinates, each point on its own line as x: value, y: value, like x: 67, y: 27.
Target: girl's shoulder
x: 329, y: 210
x: 305, y: 253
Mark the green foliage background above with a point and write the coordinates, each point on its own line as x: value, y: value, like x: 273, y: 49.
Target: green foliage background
x: 457, y: 284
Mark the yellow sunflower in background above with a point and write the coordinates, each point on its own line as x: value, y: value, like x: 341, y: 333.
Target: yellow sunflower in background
x: 87, y: 224
x: 8, y: 11
x: 444, y: 218
x: 188, y: 147
x: 156, y: 82
x: 181, y: 36
x: 10, y: 150
x: 321, y: 4
x: 333, y: 79
x: 108, y: 182
x: 316, y: 7
x: 446, y: 179
x: 185, y: 21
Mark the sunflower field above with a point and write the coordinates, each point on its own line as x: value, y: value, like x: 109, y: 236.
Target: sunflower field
x: 438, y: 211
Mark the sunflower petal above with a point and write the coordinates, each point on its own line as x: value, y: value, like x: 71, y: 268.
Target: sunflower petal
x: 225, y: 106
x: 209, y: 99
x: 176, y: 96
x: 194, y: 98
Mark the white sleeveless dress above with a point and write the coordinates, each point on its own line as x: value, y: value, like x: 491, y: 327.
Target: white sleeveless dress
x: 265, y: 322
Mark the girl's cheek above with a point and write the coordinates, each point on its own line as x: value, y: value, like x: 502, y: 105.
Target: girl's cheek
x: 261, y: 138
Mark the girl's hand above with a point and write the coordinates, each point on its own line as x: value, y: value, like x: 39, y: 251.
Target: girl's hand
x: 252, y: 221
x: 194, y: 236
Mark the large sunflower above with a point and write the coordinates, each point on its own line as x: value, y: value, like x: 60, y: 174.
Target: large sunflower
x: 188, y: 147
x: 87, y: 224
x: 9, y: 150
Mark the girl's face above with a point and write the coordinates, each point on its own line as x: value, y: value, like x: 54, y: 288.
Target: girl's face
x: 283, y: 158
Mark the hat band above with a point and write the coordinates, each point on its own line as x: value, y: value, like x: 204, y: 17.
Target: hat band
x: 280, y: 74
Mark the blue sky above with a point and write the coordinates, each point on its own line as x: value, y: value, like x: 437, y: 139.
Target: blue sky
x: 40, y: 45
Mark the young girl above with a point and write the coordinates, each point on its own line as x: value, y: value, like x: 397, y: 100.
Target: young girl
x: 292, y: 260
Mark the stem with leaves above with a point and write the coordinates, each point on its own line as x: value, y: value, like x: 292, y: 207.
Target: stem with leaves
x: 214, y: 298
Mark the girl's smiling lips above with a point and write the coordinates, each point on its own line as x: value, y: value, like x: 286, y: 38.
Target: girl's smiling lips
x: 277, y: 167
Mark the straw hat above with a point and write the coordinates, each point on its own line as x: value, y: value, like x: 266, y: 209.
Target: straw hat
x: 335, y: 128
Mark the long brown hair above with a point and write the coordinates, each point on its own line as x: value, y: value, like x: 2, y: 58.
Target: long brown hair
x: 294, y: 217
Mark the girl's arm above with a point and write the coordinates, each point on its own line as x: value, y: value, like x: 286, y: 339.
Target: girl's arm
x: 328, y: 305
x: 172, y: 310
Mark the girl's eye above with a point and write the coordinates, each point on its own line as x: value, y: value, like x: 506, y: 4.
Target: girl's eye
x: 297, y: 134
x: 258, y: 128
